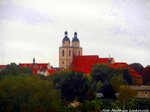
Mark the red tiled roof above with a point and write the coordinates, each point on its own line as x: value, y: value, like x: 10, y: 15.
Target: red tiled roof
x: 3, y: 66
x: 125, y: 66
x: 104, y: 60
x: 35, y: 67
x: 119, y: 65
x: 84, y: 63
x: 51, y: 71
x: 133, y: 72
x: 30, y: 65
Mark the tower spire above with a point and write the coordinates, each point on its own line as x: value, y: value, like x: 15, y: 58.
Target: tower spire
x: 109, y: 60
x: 33, y: 61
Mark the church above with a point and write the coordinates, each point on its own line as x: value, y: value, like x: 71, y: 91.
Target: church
x: 71, y: 57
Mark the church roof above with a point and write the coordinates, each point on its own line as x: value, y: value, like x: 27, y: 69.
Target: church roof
x: 66, y: 38
x: 75, y: 39
x: 105, y: 60
x: 84, y: 63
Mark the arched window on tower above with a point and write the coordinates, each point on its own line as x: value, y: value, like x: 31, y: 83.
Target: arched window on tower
x: 63, y: 53
x: 78, y: 53
x: 69, y: 52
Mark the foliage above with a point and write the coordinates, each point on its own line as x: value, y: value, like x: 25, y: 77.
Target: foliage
x: 99, y: 84
x: 27, y: 93
x: 146, y: 75
x: 72, y: 85
x: 117, y: 81
x: 100, y: 72
x: 131, y: 104
x: 107, y: 91
x: 126, y: 94
x: 14, y: 69
x: 143, y: 104
x: 11, y: 69
x: 137, y: 67
x: 91, y: 106
x: 127, y: 77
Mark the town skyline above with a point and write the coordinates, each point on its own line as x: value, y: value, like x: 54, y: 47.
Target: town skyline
x: 35, y: 29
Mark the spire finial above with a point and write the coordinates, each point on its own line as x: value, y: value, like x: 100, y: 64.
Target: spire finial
x: 66, y: 33
x: 33, y: 60
x: 75, y: 34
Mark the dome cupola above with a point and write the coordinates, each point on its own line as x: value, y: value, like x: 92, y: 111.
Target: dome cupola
x: 66, y: 37
x: 75, y: 38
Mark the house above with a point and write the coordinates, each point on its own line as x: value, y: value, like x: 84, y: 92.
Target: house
x: 143, y: 91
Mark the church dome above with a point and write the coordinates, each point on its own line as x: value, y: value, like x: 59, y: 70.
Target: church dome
x: 66, y: 37
x: 75, y: 38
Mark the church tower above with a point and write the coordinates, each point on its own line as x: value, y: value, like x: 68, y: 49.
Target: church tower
x: 68, y: 50
x: 77, y: 50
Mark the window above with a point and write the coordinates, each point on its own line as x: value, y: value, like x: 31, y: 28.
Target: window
x: 69, y: 52
x: 79, y: 53
x: 62, y: 62
x: 146, y: 93
x: 63, y: 53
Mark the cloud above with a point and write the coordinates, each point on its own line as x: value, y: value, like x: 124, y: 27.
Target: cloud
x: 134, y: 15
x: 10, y: 11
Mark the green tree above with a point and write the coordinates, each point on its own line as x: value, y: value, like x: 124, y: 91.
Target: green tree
x: 73, y: 85
x: 100, y: 72
x: 12, y: 69
x: 91, y: 106
x: 127, y: 77
x: 126, y: 94
x: 25, y: 70
x: 28, y: 94
x: 107, y: 90
x: 143, y: 104
x: 117, y: 81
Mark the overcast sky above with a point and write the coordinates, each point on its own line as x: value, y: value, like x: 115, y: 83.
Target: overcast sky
x: 35, y: 28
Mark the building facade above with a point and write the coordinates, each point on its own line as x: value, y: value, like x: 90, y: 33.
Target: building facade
x: 143, y: 91
x: 68, y: 50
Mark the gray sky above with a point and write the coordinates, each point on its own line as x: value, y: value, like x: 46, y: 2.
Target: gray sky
x: 35, y: 28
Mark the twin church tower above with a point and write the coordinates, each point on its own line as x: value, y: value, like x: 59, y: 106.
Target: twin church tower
x: 68, y: 50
